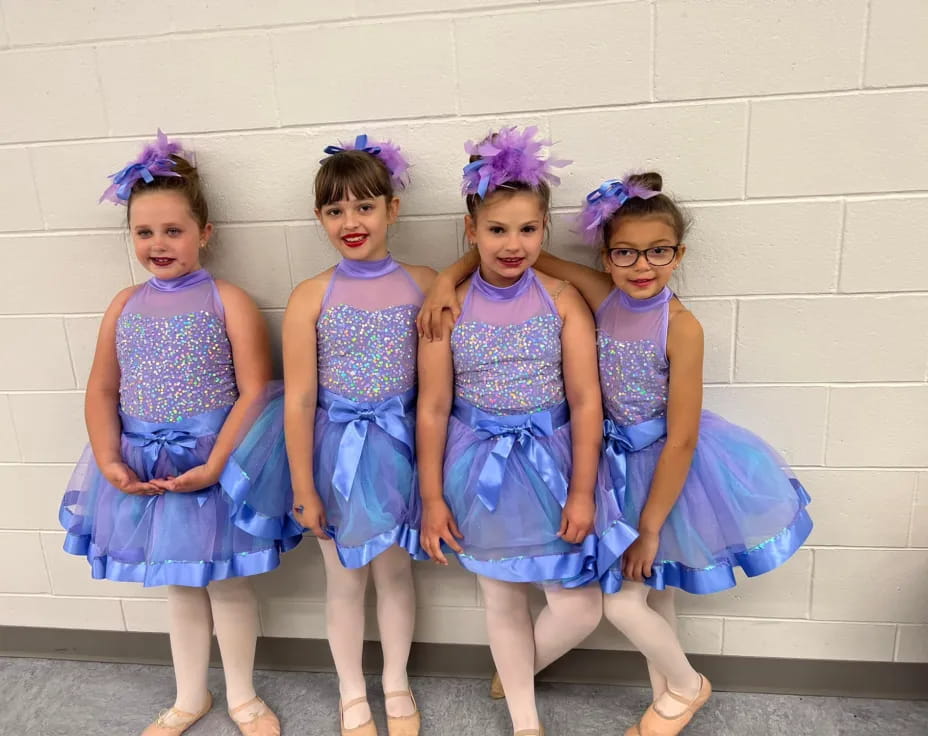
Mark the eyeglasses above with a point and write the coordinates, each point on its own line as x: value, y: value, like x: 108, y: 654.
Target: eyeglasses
x: 659, y: 255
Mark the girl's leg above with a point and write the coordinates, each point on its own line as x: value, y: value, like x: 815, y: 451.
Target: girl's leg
x: 235, y: 616
x: 568, y: 619
x: 396, y: 617
x: 664, y: 603
x: 628, y: 611
x: 344, y: 623
x: 191, y: 628
x: 512, y: 643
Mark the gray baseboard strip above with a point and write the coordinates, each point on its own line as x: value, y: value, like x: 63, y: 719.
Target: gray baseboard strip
x: 898, y: 680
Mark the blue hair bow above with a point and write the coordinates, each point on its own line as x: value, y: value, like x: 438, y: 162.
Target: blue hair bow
x: 360, y: 144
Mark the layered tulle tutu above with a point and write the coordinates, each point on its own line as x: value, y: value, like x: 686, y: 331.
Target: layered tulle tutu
x: 741, y: 506
x: 510, y: 526
x: 364, y: 470
x: 169, y: 539
x: 257, y: 477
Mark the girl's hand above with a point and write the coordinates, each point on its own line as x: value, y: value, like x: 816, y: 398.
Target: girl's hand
x: 122, y: 477
x: 438, y: 525
x: 639, y: 558
x: 309, y: 511
x: 432, y: 322
x: 577, y: 518
x: 195, y: 479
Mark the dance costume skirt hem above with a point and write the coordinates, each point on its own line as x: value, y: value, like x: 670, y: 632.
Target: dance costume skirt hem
x: 755, y: 561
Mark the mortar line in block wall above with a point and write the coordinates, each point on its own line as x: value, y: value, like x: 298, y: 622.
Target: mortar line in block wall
x: 747, y: 149
x: 338, y: 125
x: 912, y: 507
x: 652, y: 60
x: 440, y: 216
x: 864, y: 45
x: 503, y: 8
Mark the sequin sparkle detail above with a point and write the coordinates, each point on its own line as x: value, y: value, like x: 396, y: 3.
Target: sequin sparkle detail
x: 367, y: 355
x: 509, y: 369
x: 634, y: 377
x: 173, y: 367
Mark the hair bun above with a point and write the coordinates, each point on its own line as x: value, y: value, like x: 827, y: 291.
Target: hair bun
x: 649, y: 180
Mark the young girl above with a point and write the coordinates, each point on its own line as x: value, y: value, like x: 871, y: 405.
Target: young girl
x: 350, y: 432
x: 181, y: 365
x: 507, y: 479
x: 705, y: 495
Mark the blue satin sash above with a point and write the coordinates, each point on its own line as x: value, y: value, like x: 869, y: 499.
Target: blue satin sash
x: 176, y: 439
x: 617, y: 441
x: 512, y: 431
x: 390, y: 415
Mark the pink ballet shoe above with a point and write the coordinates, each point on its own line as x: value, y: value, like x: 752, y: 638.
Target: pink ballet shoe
x: 540, y: 731
x: 496, y: 687
x: 173, y: 722
x: 652, y: 723
x: 254, y: 718
x: 368, y: 728
x: 403, y: 725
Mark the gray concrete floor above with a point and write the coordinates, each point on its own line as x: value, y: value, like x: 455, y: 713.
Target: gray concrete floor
x: 58, y: 698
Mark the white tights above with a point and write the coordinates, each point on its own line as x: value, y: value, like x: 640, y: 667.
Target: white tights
x: 229, y: 606
x: 396, y: 615
x: 521, y: 648
x: 652, y: 630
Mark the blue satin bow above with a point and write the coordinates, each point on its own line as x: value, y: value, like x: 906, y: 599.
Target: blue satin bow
x: 128, y: 176
x: 621, y: 440
x: 389, y: 415
x: 173, y: 441
x: 484, y: 184
x: 360, y: 144
x: 612, y: 188
x: 510, y: 432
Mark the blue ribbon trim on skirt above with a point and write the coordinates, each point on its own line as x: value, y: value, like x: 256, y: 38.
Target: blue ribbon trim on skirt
x: 402, y: 535
x: 757, y: 560
x: 570, y: 570
x: 180, y: 572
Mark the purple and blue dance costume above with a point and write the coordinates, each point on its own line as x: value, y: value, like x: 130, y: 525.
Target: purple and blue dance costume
x: 364, y: 453
x: 740, y: 505
x: 177, y: 385
x: 508, y: 453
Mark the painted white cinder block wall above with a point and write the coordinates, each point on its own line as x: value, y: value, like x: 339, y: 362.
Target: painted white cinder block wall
x: 796, y: 131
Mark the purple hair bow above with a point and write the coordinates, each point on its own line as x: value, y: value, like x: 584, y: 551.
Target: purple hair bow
x: 154, y: 160
x: 603, y: 202
x: 386, y: 151
x: 508, y: 155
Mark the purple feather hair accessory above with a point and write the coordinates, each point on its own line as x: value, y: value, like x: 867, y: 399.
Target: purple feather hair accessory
x: 509, y: 155
x: 386, y: 151
x: 154, y: 160
x: 602, y: 203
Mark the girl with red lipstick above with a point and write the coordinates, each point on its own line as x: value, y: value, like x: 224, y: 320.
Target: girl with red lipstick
x: 181, y: 363
x: 509, y: 429
x: 706, y: 496
x: 350, y: 371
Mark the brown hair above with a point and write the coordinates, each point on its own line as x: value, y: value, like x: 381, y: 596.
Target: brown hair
x: 661, y: 207
x: 187, y: 183
x: 357, y: 172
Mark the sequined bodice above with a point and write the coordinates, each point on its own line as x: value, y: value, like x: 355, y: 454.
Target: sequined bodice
x: 174, y: 356
x: 367, y: 356
x: 633, y: 368
x: 509, y: 367
x: 366, y: 342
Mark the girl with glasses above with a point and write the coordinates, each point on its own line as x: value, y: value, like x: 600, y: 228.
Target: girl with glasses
x: 705, y: 495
